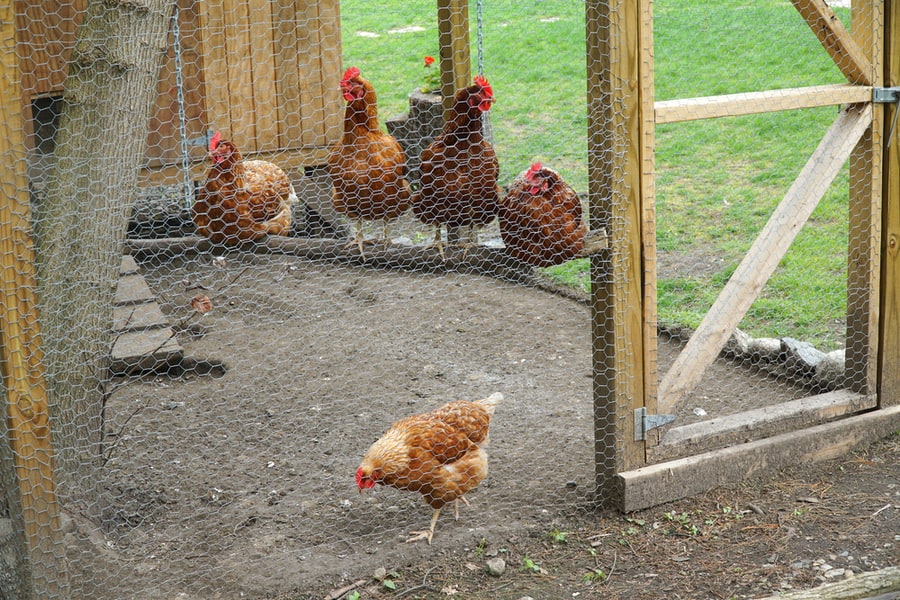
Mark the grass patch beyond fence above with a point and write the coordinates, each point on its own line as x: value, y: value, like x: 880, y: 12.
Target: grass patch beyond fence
x: 717, y: 180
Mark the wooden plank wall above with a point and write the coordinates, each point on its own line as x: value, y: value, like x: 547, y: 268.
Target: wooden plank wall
x: 45, y: 32
x: 272, y: 71
x: 264, y: 72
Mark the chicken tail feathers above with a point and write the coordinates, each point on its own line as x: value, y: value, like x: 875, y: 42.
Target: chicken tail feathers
x: 490, y: 403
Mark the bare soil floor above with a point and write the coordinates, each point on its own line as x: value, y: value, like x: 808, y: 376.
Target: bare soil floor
x: 234, y: 478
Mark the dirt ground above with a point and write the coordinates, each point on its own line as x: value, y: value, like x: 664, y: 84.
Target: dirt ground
x: 234, y: 477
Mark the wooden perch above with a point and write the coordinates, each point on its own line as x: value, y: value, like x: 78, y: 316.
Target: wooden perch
x: 479, y: 260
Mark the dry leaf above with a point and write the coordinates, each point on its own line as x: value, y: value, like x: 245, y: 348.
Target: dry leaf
x: 201, y: 303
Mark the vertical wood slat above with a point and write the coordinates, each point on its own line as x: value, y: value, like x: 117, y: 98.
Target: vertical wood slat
x: 287, y: 78
x: 453, y: 37
x: 262, y: 58
x: 26, y: 412
x: 309, y: 37
x: 614, y: 122
x: 238, y: 47
x: 889, y: 330
x: 215, y: 64
x: 329, y: 72
x: 864, y: 216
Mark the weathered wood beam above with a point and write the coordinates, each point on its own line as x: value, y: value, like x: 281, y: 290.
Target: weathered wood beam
x: 844, y: 50
x: 764, y: 255
x: 494, y: 262
x: 758, y: 423
x: 667, y: 481
x: 869, y: 585
x: 26, y: 412
x: 750, y: 103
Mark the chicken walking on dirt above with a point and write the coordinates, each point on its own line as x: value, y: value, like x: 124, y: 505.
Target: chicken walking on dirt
x: 541, y: 219
x: 439, y: 454
x: 242, y: 199
x: 460, y: 168
x: 367, y: 166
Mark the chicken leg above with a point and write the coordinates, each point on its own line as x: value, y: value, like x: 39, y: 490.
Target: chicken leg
x: 358, y: 239
x: 427, y: 534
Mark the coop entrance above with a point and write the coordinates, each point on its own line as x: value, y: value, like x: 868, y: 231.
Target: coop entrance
x: 844, y: 397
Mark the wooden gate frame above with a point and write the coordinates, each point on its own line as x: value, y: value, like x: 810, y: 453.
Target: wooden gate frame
x: 622, y: 114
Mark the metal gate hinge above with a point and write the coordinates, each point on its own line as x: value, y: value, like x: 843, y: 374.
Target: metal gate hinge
x: 886, y: 95
x: 644, y: 422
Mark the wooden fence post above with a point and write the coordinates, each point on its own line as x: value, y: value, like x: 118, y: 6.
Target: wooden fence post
x: 865, y: 208
x: 620, y: 155
x: 453, y: 37
x: 32, y: 495
x: 889, y: 348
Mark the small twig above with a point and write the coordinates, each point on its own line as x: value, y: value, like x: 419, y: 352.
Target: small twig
x: 118, y: 434
x: 418, y: 587
x: 415, y: 588
x: 347, y: 588
x: 612, y: 569
x: 500, y: 587
x: 885, y: 507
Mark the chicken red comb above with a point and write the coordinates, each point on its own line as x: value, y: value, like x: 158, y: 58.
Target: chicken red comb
x: 350, y: 74
x: 483, y: 83
x: 214, y: 140
x: 535, y: 167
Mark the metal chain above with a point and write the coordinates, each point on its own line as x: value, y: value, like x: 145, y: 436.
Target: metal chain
x: 479, y: 16
x: 479, y: 29
x: 182, y: 113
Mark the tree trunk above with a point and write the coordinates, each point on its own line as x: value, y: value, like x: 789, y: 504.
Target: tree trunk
x: 80, y: 223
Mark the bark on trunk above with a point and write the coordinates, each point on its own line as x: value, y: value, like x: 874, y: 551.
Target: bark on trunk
x: 81, y: 221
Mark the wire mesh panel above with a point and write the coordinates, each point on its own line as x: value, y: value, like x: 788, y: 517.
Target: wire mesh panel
x: 756, y: 162
x: 311, y: 256
x: 273, y: 239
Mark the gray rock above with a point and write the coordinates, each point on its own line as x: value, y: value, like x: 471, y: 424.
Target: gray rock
x: 801, y: 358
x: 496, y: 567
x: 830, y: 370
x: 765, y: 350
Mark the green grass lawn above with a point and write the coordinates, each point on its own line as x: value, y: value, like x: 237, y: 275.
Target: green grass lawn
x: 717, y: 180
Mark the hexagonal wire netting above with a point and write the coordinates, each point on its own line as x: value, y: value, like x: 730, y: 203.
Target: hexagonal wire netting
x: 213, y: 392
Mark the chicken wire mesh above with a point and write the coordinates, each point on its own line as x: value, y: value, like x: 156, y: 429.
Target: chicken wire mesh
x: 241, y: 382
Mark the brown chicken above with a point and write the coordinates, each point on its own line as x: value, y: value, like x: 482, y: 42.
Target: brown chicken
x: 460, y: 168
x: 242, y: 199
x: 439, y: 454
x: 367, y: 166
x: 540, y: 218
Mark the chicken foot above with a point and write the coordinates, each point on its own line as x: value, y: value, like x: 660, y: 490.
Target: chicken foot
x: 357, y: 239
x: 429, y: 533
x: 438, y: 243
x: 359, y: 242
